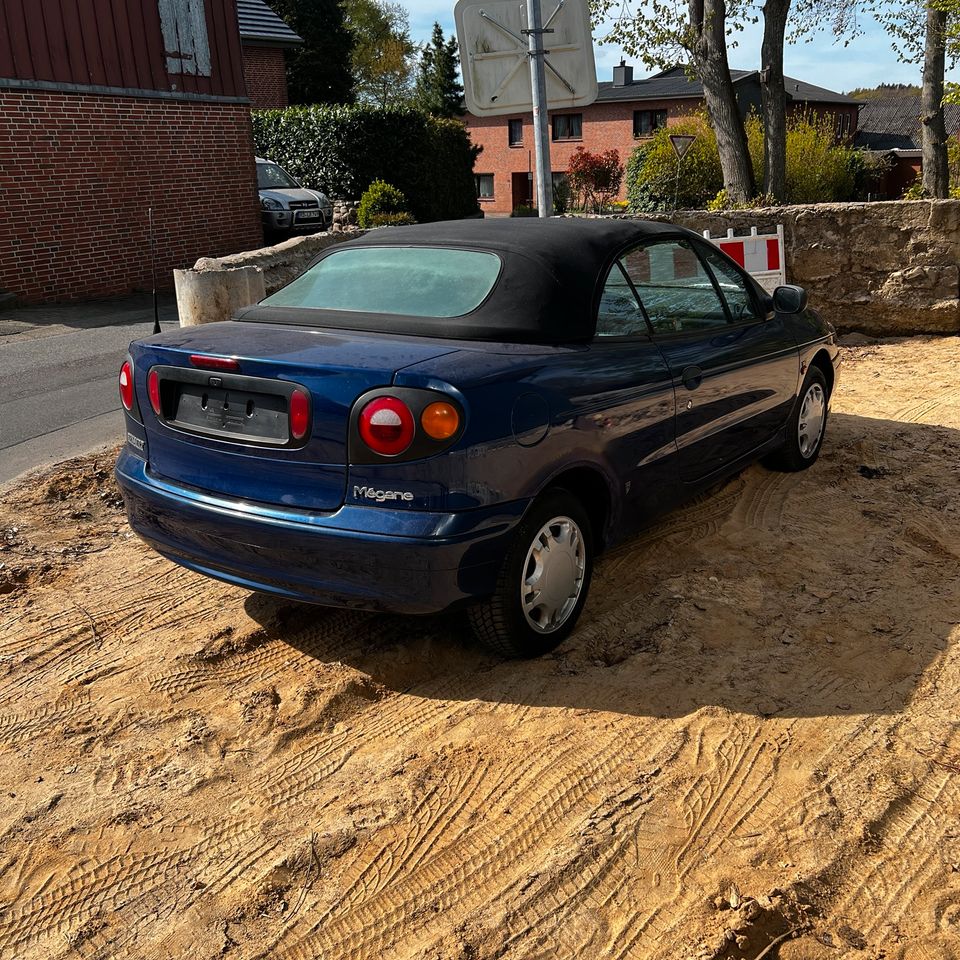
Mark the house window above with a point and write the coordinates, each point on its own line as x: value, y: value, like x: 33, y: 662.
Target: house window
x: 484, y: 185
x: 646, y: 122
x: 843, y: 125
x: 515, y: 133
x: 568, y: 126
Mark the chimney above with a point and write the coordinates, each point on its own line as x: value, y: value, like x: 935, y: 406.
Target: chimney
x: 622, y: 75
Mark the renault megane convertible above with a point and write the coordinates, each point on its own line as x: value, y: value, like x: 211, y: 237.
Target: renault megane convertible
x: 466, y: 414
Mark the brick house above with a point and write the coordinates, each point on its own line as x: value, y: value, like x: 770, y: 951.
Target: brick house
x: 890, y: 127
x: 265, y: 38
x: 625, y: 113
x: 104, y: 117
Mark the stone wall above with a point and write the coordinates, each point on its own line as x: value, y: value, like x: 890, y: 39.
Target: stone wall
x: 883, y: 269
x: 282, y: 263
x: 345, y: 214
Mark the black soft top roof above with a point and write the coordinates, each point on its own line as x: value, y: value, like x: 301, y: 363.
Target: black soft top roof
x: 546, y: 293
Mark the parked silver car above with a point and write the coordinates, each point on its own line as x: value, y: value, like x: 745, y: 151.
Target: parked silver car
x: 287, y: 207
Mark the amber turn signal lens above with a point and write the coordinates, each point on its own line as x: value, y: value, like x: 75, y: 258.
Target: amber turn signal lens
x: 440, y: 421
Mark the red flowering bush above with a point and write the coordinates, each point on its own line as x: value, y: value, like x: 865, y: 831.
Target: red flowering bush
x: 595, y: 178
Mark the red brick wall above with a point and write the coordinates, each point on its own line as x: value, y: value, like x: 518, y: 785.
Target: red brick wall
x: 78, y: 172
x: 266, y: 76
x: 605, y: 126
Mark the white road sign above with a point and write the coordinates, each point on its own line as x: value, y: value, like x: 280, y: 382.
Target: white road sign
x: 681, y: 143
x: 495, y: 57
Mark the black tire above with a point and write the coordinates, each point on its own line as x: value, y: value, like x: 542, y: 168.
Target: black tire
x: 499, y: 622
x: 792, y: 457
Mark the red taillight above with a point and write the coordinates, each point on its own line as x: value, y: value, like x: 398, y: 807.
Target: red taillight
x: 153, y: 388
x: 126, y: 385
x: 386, y: 426
x: 214, y: 363
x: 299, y: 414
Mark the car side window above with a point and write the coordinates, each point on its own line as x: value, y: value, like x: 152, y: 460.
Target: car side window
x: 674, y: 287
x: 740, y: 302
x: 619, y: 314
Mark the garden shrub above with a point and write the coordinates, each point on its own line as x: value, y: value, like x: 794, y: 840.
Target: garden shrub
x: 818, y: 169
x: 391, y: 220
x: 342, y: 149
x: 652, y: 183
x: 594, y: 178
x: 380, y: 205
x: 562, y: 195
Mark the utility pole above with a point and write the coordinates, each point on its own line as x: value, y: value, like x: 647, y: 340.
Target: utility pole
x: 538, y: 83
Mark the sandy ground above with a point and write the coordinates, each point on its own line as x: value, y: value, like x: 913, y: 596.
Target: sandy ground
x: 750, y: 747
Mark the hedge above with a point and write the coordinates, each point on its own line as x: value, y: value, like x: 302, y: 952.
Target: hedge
x: 341, y: 150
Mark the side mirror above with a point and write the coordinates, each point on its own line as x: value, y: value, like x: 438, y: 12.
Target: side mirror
x: 790, y: 299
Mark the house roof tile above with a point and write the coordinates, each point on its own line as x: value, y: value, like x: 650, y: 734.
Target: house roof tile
x: 674, y: 83
x: 259, y: 23
x: 893, y: 123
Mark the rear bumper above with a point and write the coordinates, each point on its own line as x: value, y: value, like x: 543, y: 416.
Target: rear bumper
x: 368, y: 558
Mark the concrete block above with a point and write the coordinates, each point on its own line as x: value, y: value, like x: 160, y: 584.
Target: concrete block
x: 206, y: 296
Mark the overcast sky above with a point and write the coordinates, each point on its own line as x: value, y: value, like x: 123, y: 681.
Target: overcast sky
x: 867, y: 61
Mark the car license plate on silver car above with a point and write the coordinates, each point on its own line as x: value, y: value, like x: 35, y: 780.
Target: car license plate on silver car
x: 308, y: 215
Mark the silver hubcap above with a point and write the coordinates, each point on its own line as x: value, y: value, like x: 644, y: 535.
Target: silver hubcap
x: 813, y: 414
x: 552, y: 575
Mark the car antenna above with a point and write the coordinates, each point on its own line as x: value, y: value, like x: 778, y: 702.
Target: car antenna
x: 153, y: 272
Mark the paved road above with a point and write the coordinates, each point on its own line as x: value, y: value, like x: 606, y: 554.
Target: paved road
x: 58, y: 378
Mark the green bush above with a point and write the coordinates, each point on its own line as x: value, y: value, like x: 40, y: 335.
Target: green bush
x: 391, y: 220
x: 652, y: 183
x: 525, y: 210
x: 380, y: 200
x: 818, y: 170
x: 917, y: 191
x: 342, y: 149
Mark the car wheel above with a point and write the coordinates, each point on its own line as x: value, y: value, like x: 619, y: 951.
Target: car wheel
x: 543, y: 582
x: 806, y: 426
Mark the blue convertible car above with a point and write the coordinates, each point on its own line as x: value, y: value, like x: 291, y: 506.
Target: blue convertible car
x: 467, y: 413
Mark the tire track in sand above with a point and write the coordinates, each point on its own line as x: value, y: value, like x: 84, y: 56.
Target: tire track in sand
x: 461, y: 873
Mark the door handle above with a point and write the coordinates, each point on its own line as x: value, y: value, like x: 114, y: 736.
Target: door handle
x: 692, y: 377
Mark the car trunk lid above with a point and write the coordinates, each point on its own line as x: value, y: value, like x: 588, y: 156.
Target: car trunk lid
x: 226, y: 430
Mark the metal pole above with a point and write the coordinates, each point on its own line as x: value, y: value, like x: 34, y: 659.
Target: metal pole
x: 540, y: 124
x: 153, y: 273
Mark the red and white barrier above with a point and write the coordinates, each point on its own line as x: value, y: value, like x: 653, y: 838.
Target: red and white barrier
x: 761, y: 255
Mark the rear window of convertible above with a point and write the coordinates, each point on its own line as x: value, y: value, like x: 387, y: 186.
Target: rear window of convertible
x: 408, y: 281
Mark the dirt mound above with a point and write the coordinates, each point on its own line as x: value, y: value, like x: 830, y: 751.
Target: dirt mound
x: 749, y: 748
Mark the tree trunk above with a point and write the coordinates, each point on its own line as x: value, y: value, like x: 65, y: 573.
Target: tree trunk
x: 708, y: 20
x: 774, y: 99
x: 936, y: 174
